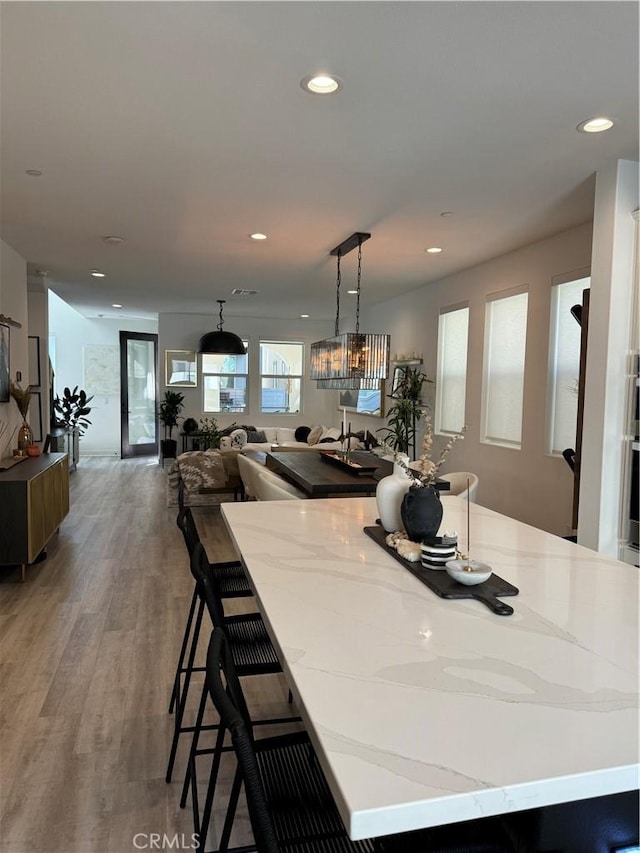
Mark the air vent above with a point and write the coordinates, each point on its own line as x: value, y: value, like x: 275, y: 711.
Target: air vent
x: 241, y: 291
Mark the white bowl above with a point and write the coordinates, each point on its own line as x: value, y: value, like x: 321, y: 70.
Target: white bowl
x: 468, y: 572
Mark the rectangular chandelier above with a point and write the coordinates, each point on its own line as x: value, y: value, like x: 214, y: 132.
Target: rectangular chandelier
x: 350, y: 361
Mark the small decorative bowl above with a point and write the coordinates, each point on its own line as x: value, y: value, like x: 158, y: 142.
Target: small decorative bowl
x: 468, y: 572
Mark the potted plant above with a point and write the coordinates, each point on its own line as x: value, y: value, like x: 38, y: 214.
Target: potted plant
x: 168, y: 414
x: 209, y: 434
x: 72, y: 410
x: 406, y: 412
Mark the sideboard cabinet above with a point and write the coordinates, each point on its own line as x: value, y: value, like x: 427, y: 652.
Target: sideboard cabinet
x: 34, y: 500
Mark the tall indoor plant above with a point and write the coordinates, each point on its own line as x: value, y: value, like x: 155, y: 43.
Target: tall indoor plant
x: 406, y: 411
x: 168, y: 414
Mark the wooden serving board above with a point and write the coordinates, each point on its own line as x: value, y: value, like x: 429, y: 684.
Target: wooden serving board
x: 445, y: 586
x: 357, y: 464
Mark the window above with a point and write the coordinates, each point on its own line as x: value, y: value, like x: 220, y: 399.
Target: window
x: 224, y: 379
x: 505, y: 335
x: 281, y: 377
x: 451, y: 387
x: 564, y: 364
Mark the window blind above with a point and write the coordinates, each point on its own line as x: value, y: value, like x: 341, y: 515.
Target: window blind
x: 564, y: 365
x: 451, y: 374
x: 503, y: 380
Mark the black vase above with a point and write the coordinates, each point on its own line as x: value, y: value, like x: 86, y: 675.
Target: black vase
x: 421, y: 512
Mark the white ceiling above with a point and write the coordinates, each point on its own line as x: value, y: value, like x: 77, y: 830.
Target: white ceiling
x: 182, y: 127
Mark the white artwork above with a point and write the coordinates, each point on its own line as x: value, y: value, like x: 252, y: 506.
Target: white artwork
x: 102, y: 371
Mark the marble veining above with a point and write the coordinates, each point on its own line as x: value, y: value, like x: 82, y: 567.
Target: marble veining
x: 427, y: 711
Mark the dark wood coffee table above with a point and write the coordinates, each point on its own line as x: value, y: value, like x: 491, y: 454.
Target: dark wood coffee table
x: 317, y: 478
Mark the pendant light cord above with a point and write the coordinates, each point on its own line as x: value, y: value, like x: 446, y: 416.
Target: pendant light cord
x: 358, y: 285
x: 338, y: 283
x: 221, y: 323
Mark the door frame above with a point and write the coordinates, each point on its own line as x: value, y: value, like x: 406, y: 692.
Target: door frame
x: 129, y: 451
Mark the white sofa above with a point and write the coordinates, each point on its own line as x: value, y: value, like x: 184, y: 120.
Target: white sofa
x: 282, y: 437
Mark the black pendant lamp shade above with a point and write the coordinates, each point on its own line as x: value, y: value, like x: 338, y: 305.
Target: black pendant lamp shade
x: 221, y: 341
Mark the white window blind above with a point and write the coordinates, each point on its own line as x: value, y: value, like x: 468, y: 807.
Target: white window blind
x: 564, y: 365
x: 451, y: 387
x: 503, y: 381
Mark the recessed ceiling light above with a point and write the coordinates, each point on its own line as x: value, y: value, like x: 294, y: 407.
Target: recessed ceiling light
x: 43, y: 273
x: 97, y: 273
x: 447, y: 213
x: 258, y: 236
x: 35, y: 173
x: 116, y: 305
x: 304, y: 316
x: 352, y: 292
x: 113, y: 239
x: 434, y: 250
x: 595, y: 125
x: 321, y: 84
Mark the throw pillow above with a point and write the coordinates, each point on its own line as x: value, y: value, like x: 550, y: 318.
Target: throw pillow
x: 315, y: 435
x: 331, y: 434
x: 238, y: 439
x: 302, y: 433
x: 256, y: 436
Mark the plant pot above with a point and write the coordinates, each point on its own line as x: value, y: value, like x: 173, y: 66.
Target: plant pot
x: 168, y: 447
x: 421, y: 512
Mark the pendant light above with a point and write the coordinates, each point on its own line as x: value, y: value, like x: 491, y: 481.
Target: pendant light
x: 221, y: 341
x: 353, y: 360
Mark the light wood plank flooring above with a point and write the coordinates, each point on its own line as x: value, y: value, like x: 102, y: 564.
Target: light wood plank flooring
x: 88, y: 648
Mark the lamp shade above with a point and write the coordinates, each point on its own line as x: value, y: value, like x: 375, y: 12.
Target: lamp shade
x: 351, y: 360
x: 221, y: 342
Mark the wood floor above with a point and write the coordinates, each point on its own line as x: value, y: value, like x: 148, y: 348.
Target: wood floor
x: 88, y: 648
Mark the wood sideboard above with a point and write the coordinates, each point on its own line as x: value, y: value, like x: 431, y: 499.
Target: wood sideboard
x: 34, y: 500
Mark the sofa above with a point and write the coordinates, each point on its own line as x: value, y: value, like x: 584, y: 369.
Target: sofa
x: 266, y: 438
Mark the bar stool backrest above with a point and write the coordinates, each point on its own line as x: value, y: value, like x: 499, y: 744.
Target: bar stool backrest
x: 206, y: 584
x: 234, y: 716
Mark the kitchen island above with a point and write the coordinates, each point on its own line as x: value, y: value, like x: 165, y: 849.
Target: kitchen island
x: 425, y: 711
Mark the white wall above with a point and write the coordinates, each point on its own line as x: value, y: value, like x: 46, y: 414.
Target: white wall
x: 610, y: 318
x: 13, y: 303
x: 73, y: 333
x: 38, y: 301
x: 526, y: 484
x: 183, y: 331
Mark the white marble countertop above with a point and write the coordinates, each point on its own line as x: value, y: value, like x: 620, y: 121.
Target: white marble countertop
x: 427, y: 711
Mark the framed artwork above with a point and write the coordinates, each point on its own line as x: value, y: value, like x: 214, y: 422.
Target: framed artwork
x: 363, y: 402
x: 34, y: 361
x: 35, y: 415
x: 102, y: 370
x: 180, y: 368
x: 4, y: 363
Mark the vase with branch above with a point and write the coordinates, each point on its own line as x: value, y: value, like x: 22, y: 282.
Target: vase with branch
x: 22, y: 397
x: 421, y: 508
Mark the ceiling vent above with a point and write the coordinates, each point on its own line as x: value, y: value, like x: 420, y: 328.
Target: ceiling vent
x: 241, y: 291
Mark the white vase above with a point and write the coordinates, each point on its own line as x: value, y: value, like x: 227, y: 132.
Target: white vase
x: 389, y: 494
